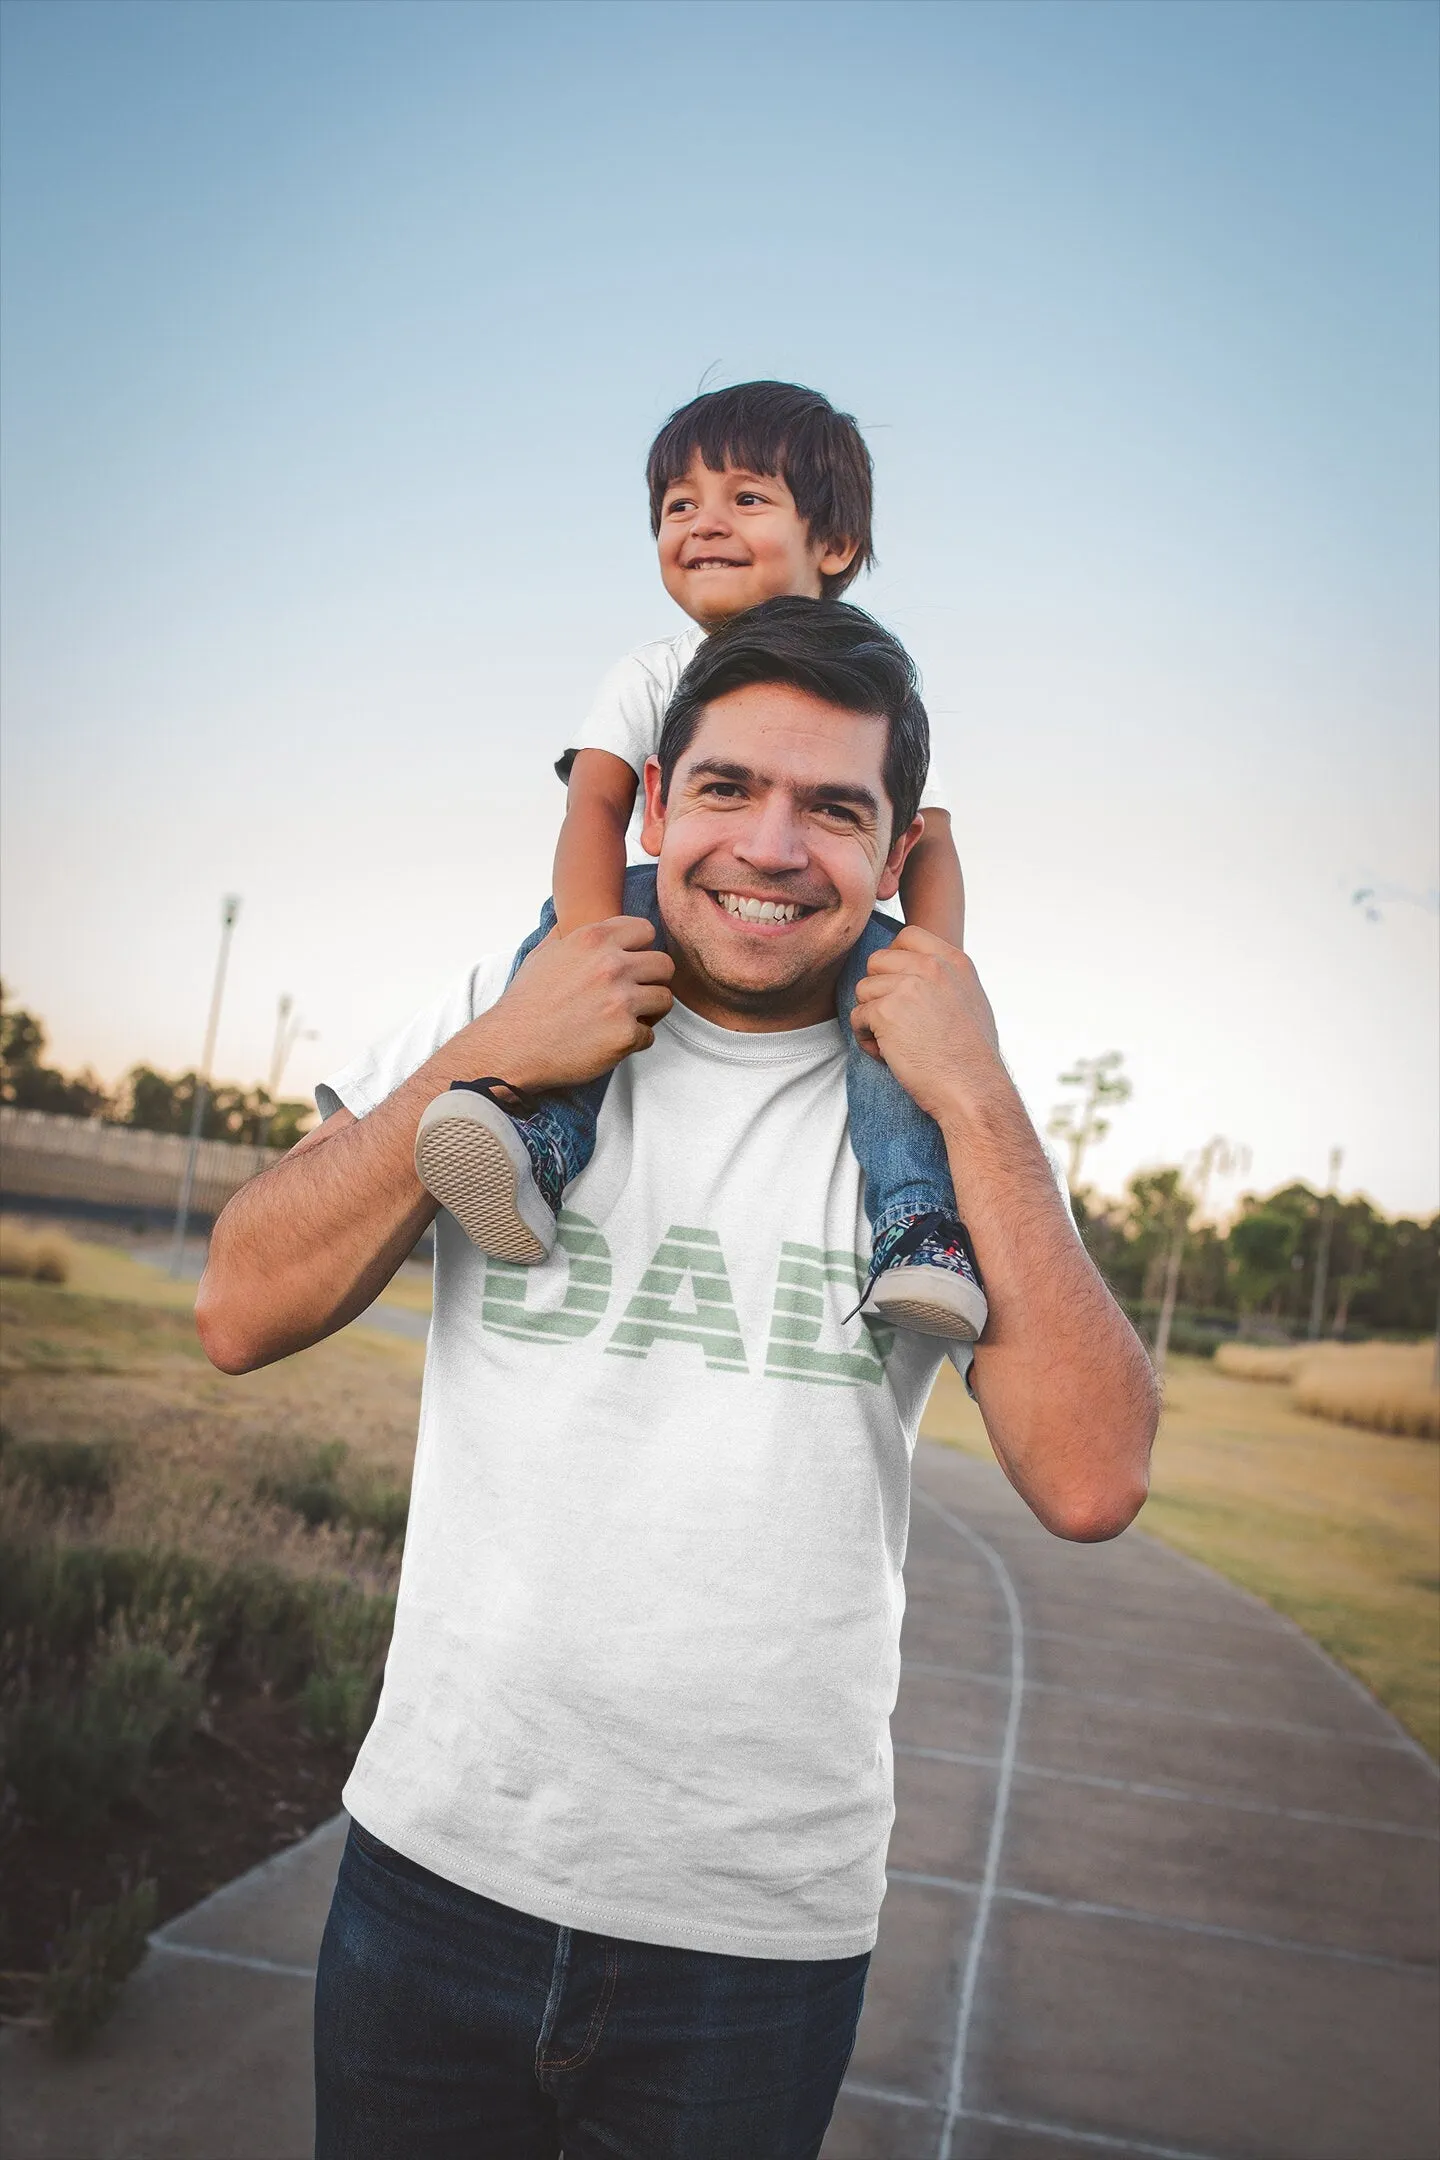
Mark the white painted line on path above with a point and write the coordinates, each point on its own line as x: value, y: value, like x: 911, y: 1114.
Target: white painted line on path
x: 955, y: 2097
x: 1150, y: 1708
x: 231, y: 1957
x: 1183, y: 1793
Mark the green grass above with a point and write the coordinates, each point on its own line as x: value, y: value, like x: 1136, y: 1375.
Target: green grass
x: 1337, y: 1528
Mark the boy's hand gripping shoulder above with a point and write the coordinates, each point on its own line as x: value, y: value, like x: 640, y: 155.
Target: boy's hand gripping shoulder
x: 921, y: 1006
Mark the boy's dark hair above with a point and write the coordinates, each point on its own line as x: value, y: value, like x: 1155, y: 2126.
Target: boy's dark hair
x: 776, y: 427
x: 837, y: 652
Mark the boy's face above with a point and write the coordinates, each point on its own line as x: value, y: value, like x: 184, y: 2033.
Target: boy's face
x: 730, y: 539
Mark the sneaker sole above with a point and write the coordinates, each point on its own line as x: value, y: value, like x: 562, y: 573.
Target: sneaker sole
x: 948, y: 1307
x: 469, y: 1164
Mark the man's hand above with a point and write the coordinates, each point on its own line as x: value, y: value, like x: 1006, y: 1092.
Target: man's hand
x: 581, y: 1003
x: 921, y: 1007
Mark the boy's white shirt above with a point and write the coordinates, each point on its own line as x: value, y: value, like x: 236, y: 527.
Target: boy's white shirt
x: 647, y: 1638
x: 630, y: 704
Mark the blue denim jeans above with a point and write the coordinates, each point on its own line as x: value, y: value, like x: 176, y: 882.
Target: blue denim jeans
x: 451, y: 2028
x: 900, y: 1151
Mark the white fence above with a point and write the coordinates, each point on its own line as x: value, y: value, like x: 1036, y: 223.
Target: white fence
x: 115, y: 1166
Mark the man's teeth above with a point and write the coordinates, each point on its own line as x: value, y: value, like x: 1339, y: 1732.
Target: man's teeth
x: 759, y: 910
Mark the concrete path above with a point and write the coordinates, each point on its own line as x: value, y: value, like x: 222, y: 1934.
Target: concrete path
x: 1163, y: 1881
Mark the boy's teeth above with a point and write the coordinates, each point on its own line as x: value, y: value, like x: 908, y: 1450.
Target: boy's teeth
x: 758, y: 910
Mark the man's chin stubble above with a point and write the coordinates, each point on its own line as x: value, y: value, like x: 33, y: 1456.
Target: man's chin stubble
x: 757, y: 1001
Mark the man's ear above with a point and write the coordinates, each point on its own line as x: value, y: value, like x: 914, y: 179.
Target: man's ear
x: 652, y: 828
x: 889, y: 883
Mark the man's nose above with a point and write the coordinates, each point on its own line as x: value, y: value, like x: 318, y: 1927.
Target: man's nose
x: 772, y: 838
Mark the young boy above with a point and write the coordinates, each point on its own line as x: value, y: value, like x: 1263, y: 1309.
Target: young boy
x: 756, y: 493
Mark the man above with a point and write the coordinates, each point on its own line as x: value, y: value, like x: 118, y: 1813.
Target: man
x: 619, y: 1828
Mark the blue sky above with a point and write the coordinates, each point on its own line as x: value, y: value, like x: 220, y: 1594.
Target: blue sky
x: 335, y: 336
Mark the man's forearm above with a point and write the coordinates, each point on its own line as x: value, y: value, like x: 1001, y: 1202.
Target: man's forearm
x: 302, y: 1249
x: 1064, y: 1385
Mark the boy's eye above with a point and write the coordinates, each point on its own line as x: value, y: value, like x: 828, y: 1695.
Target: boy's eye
x: 678, y: 502
x: 748, y: 496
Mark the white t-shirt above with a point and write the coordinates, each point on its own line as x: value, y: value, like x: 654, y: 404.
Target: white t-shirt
x: 629, y: 709
x: 647, y: 1638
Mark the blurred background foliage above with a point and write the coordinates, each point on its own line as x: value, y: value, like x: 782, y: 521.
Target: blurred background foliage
x: 152, y: 1101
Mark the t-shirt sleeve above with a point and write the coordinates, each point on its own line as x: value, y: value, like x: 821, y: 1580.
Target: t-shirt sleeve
x: 363, y: 1084
x: 628, y: 711
x: 935, y: 795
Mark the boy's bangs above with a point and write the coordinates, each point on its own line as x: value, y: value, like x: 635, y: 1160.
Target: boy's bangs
x: 719, y: 440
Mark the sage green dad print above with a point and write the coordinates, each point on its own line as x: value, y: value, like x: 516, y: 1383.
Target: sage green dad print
x: 684, y: 1296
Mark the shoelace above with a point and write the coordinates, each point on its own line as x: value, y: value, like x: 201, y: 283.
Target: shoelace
x: 524, y: 1106
x: 911, y: 1238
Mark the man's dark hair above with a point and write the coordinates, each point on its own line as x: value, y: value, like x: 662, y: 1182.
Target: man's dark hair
x: 776, y: 427
x: 835, y: 651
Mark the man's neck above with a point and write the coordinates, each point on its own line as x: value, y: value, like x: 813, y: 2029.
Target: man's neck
x: 800, y: 1005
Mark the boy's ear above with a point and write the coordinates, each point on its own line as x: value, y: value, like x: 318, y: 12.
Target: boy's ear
x: 889, y: 883
x: 836, y: 559
x: 652, y: 828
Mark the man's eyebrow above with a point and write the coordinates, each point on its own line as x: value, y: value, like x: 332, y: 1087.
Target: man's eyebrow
x: 843, y: 791
x: 720, y: 769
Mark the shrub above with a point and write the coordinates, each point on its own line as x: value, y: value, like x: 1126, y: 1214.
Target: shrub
x: 383, y: 1510
x: 71, y: 1752
x: 42, y: 1256
x: 338, y: 1706
x: 1258, y: 1361
x: 91, y: 1963
x: 75, y: 1472
x: 308, y: 1485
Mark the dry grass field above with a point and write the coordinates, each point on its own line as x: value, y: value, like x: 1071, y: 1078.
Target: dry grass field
x: 1337, y: 1527
x: 1387, y: 1387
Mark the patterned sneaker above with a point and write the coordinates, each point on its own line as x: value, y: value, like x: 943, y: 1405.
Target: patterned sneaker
x: 498, y: 1174
x: 923, y: 1276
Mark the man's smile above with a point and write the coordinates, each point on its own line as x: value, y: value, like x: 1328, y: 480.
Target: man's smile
x: 760, y: 911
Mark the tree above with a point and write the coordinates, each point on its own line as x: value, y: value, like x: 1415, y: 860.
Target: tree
x: 156, y: 1102
x: 1078, y: 1124
x: 1263, y: 1243
x: 28, y: 1084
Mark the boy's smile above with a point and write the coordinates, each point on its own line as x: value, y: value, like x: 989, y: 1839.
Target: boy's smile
x: 730, y: 539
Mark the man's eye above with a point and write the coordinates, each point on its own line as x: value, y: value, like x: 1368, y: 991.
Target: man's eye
x: 842, y: 811
x: 727, y: 790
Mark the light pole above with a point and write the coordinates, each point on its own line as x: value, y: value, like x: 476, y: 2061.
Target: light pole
x: 288, y: 1032
x: 1322, y: 1257
x: 229, y: 909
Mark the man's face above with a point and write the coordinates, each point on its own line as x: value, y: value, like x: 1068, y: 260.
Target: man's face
x: 731, y: 539
x: 774, y: 846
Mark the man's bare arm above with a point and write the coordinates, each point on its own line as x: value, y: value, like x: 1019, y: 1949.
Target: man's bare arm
x: 305, y: 1247
x: 1063, y: 1382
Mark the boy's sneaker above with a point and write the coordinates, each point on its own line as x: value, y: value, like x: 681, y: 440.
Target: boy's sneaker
x: 499, y: 1175
x: 923, y: 1276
